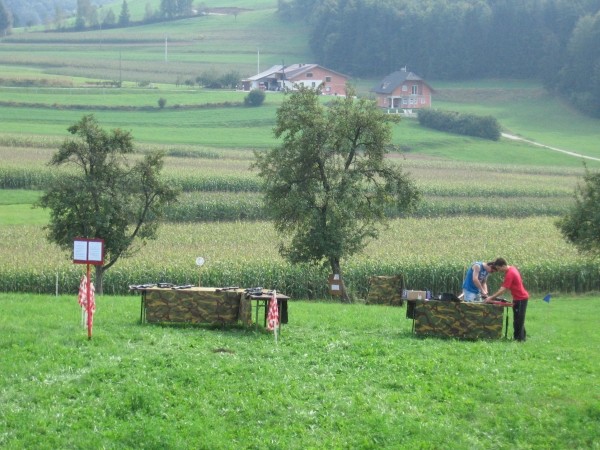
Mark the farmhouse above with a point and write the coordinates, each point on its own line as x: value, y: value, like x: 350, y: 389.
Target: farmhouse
x: 282, y: 77
x: 403, y: 90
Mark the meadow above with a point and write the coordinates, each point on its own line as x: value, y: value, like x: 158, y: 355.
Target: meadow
x: 340, y: 376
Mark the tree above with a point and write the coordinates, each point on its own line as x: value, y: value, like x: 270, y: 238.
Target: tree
x: 84, y: 14
x: 328, y: 184
x: 106, y: 196
x: 59, y: 16
x: 109, y: 19
x: 168, y: 8
x: 124, y: 16
x: 231, y: 79
x: 581, y: 225
x: 148, y: 13
x: 6, y: 19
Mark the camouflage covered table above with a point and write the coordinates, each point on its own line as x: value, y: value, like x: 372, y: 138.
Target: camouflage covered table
x: 462, y: 320
x: 385, y: 290
x: 195, y: 305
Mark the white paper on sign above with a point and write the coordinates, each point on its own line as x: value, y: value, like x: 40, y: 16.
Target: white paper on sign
x: 336, y: 276
x: 335, y: 287
x: 80, y: 250
x: 95, y: 251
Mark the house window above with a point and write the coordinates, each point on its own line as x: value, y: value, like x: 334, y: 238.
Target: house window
x: 309, y: 75
x: 328, y: 79
x: 404, y: 88
x: 404, y: 101
x: 415, y: 89
x: 314, y: 84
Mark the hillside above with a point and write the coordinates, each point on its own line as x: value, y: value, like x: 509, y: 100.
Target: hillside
x: 161, y: 52
x: 28, y: 13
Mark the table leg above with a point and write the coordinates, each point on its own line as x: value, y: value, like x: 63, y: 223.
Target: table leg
x: 142, y: 304
x: 266, y: 304
x: 256, y: 315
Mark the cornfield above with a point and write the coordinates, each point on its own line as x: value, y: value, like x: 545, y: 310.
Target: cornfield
x: 431, y: 254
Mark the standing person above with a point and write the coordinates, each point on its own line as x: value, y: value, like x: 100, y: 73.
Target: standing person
x: 475, y: 284
x: 513, y: 283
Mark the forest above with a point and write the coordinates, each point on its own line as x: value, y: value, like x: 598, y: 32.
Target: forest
x: 556, y: 41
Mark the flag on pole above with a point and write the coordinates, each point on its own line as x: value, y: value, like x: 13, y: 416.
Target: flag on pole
x: 547, y: 298
x: 82, y: 298
x: 273, y: 315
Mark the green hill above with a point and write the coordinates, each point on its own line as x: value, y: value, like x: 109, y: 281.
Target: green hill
x: 161, y: 52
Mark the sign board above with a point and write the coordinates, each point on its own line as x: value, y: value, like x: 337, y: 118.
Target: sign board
x: 336, y: 286
x: 88, y: 251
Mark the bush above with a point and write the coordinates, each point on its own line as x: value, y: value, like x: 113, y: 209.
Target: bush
x: 255, y: 97
x: 162, y: 102
x: 486, y: 127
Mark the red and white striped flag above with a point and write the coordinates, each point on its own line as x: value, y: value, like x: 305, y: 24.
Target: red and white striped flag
x: 273, y: 315
x: 82, y: 298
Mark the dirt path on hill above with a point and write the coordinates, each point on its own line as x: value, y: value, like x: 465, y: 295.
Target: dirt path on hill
x: 566, y: 152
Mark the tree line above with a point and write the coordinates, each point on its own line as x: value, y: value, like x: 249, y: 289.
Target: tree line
x: 556, y: 41
x: 88, y: 14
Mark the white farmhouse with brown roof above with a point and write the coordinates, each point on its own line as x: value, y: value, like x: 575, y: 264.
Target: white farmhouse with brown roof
x: 280, y: 77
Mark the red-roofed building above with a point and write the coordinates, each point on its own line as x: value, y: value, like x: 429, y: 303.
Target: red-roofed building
x: 281, y: 77
x: 403, y: 90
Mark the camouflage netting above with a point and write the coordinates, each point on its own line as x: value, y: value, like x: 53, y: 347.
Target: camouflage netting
x: 458, y: 320
x: 197, y: 305
x: 385, y: 290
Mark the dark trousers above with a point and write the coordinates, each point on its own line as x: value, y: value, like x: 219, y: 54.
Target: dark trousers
x: 519, y: 310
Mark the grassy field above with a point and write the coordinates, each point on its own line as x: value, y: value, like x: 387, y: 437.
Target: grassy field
x: 340, y: 377
x: 216, y: 119
x: 164, y: 52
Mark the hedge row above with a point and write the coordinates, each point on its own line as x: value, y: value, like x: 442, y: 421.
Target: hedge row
x: 486, y: 127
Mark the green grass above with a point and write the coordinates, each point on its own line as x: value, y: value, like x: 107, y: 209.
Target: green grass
x: 18, y: 197
x: 219, y: 127
x: 50, y: 111
x: 340, y: 377
x: 420, y: 141
x: 529, y: 113
x: 16, y: 208
x: 20, y: 214
x: 112, y: 97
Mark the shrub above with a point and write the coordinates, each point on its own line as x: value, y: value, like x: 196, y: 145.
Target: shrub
x: 255, y: 97
x: 162, y: 102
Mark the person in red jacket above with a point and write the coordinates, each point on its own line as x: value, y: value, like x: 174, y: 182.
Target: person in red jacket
x: 513, y: 283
